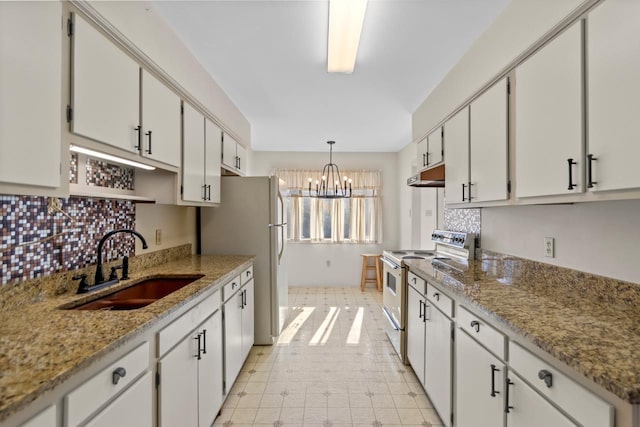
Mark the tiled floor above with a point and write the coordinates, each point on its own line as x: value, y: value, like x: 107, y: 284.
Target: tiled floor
x: 332, y: 366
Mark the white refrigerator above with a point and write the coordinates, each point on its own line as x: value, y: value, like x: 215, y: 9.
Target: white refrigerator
x: 251, y: 221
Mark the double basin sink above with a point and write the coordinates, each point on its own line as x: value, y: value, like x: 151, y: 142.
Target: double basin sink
x: 137, y: 295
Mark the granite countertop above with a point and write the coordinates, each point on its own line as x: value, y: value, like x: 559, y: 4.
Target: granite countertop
x: 41, y: 346
x: 589, y: 322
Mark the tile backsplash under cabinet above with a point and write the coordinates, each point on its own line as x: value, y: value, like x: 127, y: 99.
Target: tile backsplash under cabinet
x: 41, y: 235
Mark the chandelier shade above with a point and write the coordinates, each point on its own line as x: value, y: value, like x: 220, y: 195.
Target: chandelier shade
x: 331, y: 184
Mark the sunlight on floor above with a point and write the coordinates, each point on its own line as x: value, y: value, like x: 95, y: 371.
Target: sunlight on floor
x: 356, y: 327
x: 292, y: 328
x: 324, y: 331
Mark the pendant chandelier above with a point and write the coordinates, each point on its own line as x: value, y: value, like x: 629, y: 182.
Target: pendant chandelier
x: 330, y: 186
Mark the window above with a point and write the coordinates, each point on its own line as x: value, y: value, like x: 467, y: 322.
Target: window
x: 354, y: 220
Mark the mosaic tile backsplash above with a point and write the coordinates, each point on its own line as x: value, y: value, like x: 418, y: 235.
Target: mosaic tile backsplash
x: 463, y: 220
x: 65, y: 231
x: 103, y: 174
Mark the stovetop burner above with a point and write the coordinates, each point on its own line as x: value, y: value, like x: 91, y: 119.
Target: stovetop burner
x: 413, y: 257
x: 428, y: 253
x: 399, y: 252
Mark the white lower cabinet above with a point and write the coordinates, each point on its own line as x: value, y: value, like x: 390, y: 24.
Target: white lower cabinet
x: 132, y: 408
x: 105, y: 385
x: 46, y: 418
x: 437, y: 370
x: 479, y: 385
x: 415, y: 331
x: 526, y: 408
x: 190, y: 390
x: 238, y: 328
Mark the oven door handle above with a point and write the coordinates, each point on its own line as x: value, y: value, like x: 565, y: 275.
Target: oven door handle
x: 389, y: 264
x: 390, y: 318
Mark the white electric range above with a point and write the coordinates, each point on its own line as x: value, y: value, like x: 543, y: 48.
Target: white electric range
x: 451, y: 248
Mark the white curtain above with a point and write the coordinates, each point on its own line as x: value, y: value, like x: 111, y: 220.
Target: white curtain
x: 365, y: 218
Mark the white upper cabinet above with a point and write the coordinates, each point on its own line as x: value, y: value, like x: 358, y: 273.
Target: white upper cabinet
x: 613, y: 67
x: 213, y: 139
x: 489, y: 136
x: 548, y: 123
x: 234, y: 155
x: 423, y: 149
x: 193, y: 185
x: 30, y: 93
x: 457, y: 164
x: 105, y: 89
x: 160, y: 121
x: 435, y: 153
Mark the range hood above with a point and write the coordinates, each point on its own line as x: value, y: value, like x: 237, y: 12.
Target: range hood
x: 433, y: 178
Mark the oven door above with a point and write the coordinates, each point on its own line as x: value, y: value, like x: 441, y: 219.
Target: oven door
x: 392, y: 303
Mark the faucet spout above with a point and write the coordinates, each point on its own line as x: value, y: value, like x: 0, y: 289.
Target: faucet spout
x: 99, y: 278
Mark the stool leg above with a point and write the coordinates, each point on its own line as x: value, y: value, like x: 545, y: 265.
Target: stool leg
x: 378, y: 276
x: 364, y: 273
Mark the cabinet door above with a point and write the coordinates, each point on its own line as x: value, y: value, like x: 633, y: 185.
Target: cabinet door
x: 248, y: 315
x: 475, y: 407
x: 132, y: 408
x: 232, y: 339
x: 241, y: 152
x: 488, y: 142
x: 46, y: 418
x: 30, y: 95
x: 193, y: 189
x: 178, y: 390
x: 229, y: 158
x: 457, y: 175
x: 423, y: 149
x: 437, y: 371
x: 105, y: 89
x: 529, y: 409
x: 548, y: 97
x: 415, y: 332
x: 435, y: 147
x: 160, y: 121
x: 210, y: 371
x: 213, y: 139
x: 613, y: 68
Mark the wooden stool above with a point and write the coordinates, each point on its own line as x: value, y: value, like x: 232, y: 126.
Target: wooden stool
x: 375, y: 267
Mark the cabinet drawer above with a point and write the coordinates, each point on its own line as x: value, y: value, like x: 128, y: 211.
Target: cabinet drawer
x: 82, y: 401
x: 480, y: 330
x: 440, y: 300
x: 231, y: 288
x: 246, y: 275
x: 418, y: 284
x: 46, y: 418
x: 174, y: 332
x: 580, y: 403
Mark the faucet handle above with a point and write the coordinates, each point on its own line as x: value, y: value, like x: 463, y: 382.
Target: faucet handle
x: 125, y: 268
x: 83, y: 286
x: 113, y: 275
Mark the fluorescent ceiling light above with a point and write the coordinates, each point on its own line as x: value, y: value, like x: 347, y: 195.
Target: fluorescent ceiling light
x: 109, y: 157
x: 345, y: 26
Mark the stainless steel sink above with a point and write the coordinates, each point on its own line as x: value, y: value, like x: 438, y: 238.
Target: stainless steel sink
x: 138, y: 295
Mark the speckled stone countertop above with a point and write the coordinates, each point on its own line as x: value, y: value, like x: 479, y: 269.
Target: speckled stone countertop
x: 589, y: 322
x: 42, y: 345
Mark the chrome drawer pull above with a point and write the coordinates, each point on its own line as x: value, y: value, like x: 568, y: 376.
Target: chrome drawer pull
x: 546, y: 376
x: 117, y: 374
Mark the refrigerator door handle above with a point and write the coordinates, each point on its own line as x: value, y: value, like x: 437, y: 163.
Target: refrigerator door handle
x: 278, y: 225
x: 281, y: 245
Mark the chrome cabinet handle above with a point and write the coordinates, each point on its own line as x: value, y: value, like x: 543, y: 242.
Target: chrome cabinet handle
x: 117, y: 374
x: 546, y: 376
x: 475, y: 324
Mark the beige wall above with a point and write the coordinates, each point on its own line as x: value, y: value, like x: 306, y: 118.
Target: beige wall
x: 177, y: 225
x: 307, y: 263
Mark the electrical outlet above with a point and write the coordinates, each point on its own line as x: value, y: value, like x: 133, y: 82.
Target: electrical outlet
x: 158, y: 237
x: 549, y: 247
x: 328, y: 263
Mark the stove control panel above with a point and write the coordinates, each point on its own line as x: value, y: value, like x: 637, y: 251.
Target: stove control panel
x: 453, y: 238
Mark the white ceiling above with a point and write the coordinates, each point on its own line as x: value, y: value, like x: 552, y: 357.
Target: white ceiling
x: 270, y: 58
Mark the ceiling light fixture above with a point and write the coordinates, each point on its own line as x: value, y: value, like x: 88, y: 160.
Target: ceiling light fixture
x: 345, y: 27
x: 329, y: 186
x: 109, y: 157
